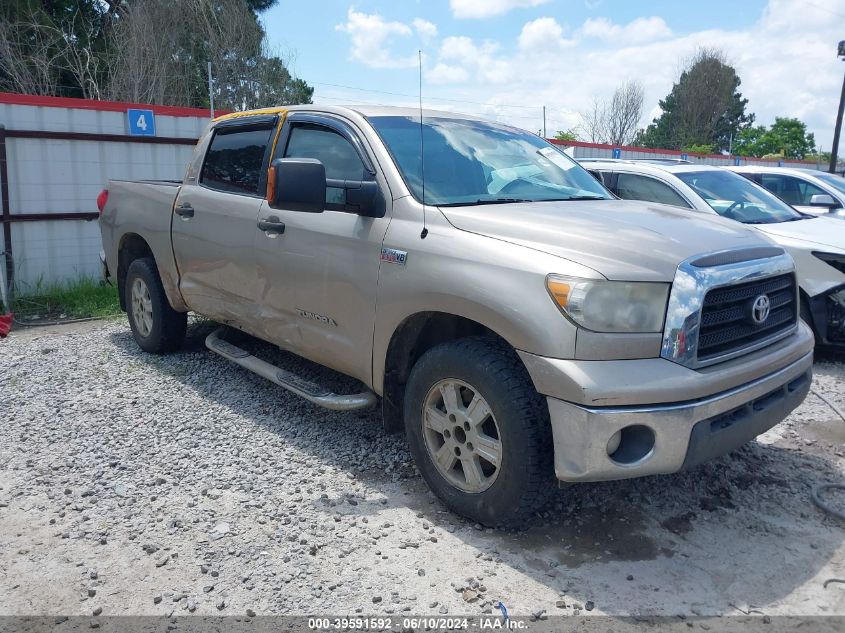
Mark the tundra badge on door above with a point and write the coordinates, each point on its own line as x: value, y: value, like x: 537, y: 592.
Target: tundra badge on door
x: 306, y: 314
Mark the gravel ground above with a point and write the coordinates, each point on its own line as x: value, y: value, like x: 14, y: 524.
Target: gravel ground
x: 183, y: 484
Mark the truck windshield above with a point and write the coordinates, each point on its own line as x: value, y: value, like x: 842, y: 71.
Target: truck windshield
x: 472, y: 162
x: 737, y: 198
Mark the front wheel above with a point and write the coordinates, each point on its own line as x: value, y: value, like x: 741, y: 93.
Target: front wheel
x: 479, y: 432
x: 156, y: 326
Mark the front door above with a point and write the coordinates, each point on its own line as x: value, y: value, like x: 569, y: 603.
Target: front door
x: 319, y: 279
x: 794, y: 191
x: 214, y: 224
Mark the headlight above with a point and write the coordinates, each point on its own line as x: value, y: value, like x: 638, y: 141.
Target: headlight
x: 611, y: 306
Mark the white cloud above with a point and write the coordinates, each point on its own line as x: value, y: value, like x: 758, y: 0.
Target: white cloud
x: 461, y: 58
x: 489, y: 8
x: 370, y: 36
x: 425, y: 29
x: 543, y: 33
x: 640, y: 30
x: 786, y: 59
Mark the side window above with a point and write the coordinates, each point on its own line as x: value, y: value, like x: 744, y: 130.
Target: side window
x: 790, y: 189
x: 636, y: 187
x: 336, y: 153
x: 807, y: 190
x: 234, y: 160
x: 597, y: 175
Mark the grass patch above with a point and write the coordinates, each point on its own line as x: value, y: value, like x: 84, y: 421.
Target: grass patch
x: 73, y: 300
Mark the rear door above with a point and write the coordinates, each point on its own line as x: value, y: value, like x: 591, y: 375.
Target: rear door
x: 214, y: 221
x: 319, y: 278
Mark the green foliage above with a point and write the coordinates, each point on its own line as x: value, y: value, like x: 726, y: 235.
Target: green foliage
x: 699, y: 149
x: 566, y: 135
x: 823, y: 158
x: 787, y: 138
x: 704, y: 107
x: 78, y: 299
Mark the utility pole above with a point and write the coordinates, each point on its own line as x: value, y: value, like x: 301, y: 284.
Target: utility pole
x: 210, y: 91
x: 835, y: 148
x: 544, y: 122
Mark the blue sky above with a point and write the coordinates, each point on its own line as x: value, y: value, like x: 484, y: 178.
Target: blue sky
x: 505, y: 59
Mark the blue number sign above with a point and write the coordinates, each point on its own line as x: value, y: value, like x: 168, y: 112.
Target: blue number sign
x: 141, y: 122
x: 617, y: 153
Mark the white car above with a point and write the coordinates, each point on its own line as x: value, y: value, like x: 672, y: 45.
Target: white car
x: 808, y: 190
x: 817, y: 244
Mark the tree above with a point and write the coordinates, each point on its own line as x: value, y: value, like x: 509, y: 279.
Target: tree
x: 615, y: 122
x: 704, y: 106
x: 786, y: 137
x: 698, y: 149
x: 566, y: 135
x: 150, y: 51
x: 30, y: 49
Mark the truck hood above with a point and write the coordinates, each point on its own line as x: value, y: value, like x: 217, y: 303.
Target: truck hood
x: 621, y: 239
x: 817, y: 232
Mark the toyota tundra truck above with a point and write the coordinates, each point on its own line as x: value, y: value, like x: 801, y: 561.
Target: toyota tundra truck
x: 519, y: 322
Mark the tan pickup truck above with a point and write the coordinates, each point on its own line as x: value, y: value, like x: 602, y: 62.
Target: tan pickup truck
x: 517, y: 319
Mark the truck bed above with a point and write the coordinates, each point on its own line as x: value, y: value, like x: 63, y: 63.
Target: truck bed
x: 143, y: 209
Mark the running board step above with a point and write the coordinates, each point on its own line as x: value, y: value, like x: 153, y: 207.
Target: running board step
x: 288, y: 380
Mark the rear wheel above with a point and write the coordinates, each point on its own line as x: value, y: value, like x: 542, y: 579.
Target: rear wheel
x: 479, y: 432
x: 156, y: 326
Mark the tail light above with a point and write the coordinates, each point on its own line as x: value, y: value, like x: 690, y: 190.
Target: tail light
x: 102, y: 199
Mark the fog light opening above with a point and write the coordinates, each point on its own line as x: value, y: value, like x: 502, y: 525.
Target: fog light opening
x: 613, y: 442
x: 631, y: 444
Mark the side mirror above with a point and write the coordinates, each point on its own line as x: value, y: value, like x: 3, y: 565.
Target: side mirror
x: 823, y: 200
x: 361, y: 197
x: 297, y: 184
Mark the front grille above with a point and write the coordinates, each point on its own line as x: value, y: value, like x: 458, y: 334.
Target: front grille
x: 727, y: 325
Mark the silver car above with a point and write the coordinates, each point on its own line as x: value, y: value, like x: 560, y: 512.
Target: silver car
x: 808, y: 190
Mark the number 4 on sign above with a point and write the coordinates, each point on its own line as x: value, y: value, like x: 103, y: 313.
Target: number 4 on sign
x: 141, y: 122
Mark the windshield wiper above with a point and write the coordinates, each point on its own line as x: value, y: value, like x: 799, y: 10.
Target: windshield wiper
x: 582, y: 198
x: 490, y: 201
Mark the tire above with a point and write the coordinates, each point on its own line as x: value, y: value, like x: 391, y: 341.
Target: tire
x: 156, y: 326
x: 503, y: 494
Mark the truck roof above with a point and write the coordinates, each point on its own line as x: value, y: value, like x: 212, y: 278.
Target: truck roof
x: 363, y: 110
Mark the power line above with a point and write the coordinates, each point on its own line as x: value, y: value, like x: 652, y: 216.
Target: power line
x: 813, y: 4
x: 551, y: 122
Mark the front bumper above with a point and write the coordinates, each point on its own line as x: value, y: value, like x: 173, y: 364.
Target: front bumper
x: 668, y: 416
x: 665, y: 438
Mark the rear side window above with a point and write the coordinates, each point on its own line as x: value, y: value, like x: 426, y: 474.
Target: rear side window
x: 635, y: 187
x: 234, y: 160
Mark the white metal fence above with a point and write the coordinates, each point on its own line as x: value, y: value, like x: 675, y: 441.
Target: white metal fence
x: 60, y: 153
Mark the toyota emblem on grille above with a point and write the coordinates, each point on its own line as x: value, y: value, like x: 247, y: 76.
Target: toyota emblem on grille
x: 760, y: 309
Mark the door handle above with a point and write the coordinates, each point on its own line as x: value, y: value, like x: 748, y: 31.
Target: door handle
x: 272, y: 225
x: 184, y: 210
